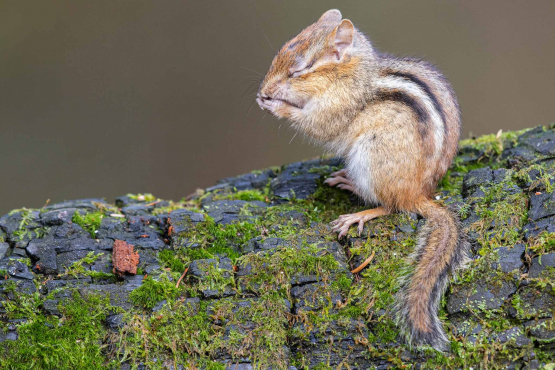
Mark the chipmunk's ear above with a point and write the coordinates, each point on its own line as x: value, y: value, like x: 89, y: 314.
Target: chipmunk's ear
x: 332, y: 15
x: 343, y: 37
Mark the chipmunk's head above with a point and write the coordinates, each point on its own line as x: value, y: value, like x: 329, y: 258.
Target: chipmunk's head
x: 308, y: 72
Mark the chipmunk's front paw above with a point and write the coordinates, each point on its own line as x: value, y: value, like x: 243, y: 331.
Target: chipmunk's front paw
x: 340, y: 179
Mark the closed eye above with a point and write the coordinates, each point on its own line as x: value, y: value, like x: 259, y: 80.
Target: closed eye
x: 301, y: 71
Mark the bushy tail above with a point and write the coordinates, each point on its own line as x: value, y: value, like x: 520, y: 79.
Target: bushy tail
x: 442, y: 248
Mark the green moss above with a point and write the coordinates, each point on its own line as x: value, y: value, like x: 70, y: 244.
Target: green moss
x: 544, y: 176
x: 79, y: 268
x: 82, y: 268
x: 25, y: 261
x: 502, y: 216
x: 517, y: 303
x: 211, y: 365
x: 342, y: 283
x: 546, y: 279
x: 90, y: 222
x: 146, y: 197
x: 23, y: 305
x: 236, y: 234
x: 323, y: 170
x: 183, y: 204
x: 453, y: 179
x: 182, y: 334
x: 548, y: 325
x: 328, y: 203
x: 266, y: 343
x: 542, y: 244
x: 379, y: 281
x: 153, y: 291
x: 197, y: 254
x: 18, y: 210
x: 171, y: 337
x: 73, y: 341
x: 27, y: 229
x: 215, y: 279
x: 383, y: 331
x: 323, y: 367
x: 217, y: 239
x: 248, y: 195
x: 275, y: 269
x: 278, y: 221
x: 171, y: 260
x: 492, y: 145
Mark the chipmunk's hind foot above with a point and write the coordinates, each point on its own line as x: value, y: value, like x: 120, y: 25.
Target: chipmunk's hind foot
x: 344, y: 222
x: 341, y: 180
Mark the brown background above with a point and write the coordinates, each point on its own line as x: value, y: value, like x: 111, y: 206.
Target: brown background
x: 100, y: 98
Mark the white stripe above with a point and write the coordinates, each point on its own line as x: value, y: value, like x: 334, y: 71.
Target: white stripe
x: 399, y: 83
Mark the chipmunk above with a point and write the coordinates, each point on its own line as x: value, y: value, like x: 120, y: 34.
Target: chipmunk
x: 396, y: 123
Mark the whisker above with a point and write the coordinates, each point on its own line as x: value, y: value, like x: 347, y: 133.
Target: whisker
x: 250, y: 108
x: 293, y: 137
x: 246, y: 97
x: 252, y: 70
x: 249, y: 95
x: 252, y: 85
x: 267, y: 39
x: 251, y: 80
x: 253, y: 5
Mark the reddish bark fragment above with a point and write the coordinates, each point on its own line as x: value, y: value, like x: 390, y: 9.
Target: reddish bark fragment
x: 124, y: 259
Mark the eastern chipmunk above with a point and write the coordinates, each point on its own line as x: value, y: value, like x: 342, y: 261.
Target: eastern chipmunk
x: 396, y: 123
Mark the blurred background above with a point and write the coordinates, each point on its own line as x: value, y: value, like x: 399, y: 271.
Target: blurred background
x: 103, y: 98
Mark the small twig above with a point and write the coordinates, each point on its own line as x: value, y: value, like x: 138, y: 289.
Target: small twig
x: 153, y: 203
x: 181, y: 278
x: 47, y: 201
x: 363, y: 264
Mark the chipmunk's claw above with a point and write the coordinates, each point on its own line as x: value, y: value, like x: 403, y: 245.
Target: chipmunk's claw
x: 344, y: 222
x: 346, y: 187
x: 340, y: 179
x: 342, y: 173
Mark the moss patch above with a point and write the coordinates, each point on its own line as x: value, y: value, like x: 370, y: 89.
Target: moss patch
x: 248, y: 195
x: 185, y: 334
x: 153, y: 291
x: 73, y: 341
x: 217, y: 239
x: 90, y: 221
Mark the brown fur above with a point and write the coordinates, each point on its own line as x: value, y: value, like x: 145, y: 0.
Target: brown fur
x: 396, y: 122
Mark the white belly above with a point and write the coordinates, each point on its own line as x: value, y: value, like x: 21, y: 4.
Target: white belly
x: 359, y: 168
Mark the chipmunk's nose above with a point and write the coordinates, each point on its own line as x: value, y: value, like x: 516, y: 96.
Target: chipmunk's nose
x: 262, y: 96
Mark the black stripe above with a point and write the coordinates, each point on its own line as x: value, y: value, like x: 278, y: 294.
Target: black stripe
x: 424, y: 86
x: 404, y: 98
x: 294, y: 44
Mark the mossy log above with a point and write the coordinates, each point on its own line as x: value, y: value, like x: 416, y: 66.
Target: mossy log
x: 248, y: 274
